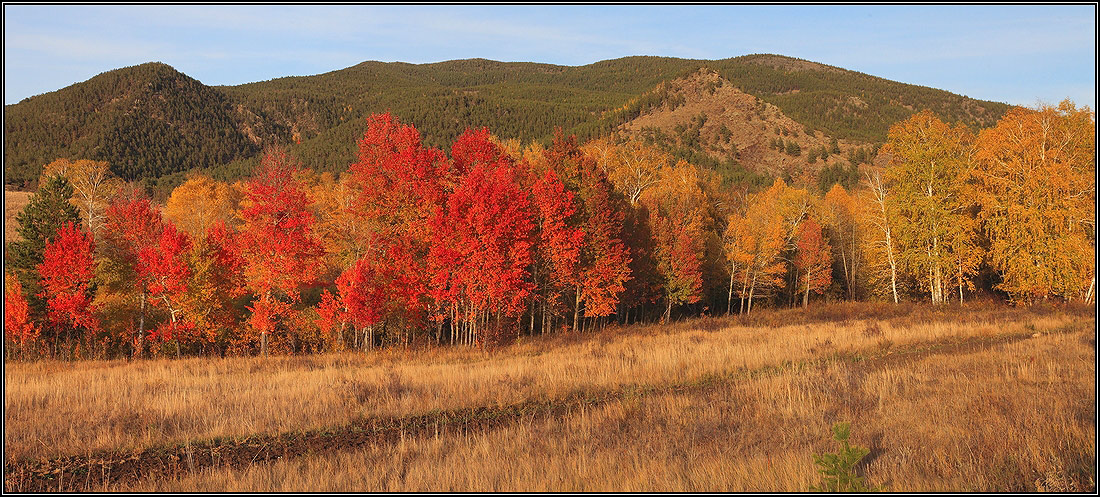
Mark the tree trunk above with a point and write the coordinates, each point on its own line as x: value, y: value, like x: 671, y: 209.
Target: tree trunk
x: 752, y: 290
x: 1092, y: 288
x: 960, y: 283
x: 744, y: 290
x: 847, y: 279
x: 729, y: 298
x: 855, y: 266
x: 545, y: 319
x: 141, y: 327
x: 577, y: 308
x: 534, y: 305
x: 893, y: 266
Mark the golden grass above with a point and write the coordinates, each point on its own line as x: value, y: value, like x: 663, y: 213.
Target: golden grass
x: 63, y: 408
x: 1013, y: 417
x: 14, y: 202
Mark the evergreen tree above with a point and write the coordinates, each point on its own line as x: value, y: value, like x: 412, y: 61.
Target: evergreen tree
x: 49, y: 209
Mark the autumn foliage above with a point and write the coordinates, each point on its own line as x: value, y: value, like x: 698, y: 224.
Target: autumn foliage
x: 493, y: 239
x: 280, y: 253
x: 19, y: 327
x: 67, y: 270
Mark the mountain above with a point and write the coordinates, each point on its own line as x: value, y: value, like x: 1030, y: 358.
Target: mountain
x: 146, y: 121
x: 150, y: 121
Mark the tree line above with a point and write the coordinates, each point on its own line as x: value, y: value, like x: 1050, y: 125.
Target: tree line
x: 496, y: 239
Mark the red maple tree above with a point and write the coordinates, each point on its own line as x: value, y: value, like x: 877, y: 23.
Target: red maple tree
x: 558, y: 244
x: 164, y: 266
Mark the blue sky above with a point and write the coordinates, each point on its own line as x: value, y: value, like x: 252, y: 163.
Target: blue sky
x: 1011, y: 53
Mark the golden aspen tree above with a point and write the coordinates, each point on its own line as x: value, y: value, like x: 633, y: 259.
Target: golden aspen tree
x: 929, y: 163
x: 633, y: 166
x: 199, y: 203
x: 93, y: 187
x: 738, y: 242
x: 678, y: 209
x: 878, y: 241
x: 344, y: 234
x: 841, y: 216
x: 767, y: 230
x: 1036, y: 185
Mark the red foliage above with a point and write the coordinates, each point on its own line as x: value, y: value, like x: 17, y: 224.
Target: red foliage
x: 19, y: 328
x: 401, y: 180
x: 605, y: 259
x: 67, y: 270
x: 482, y: 242
x: 403, y: 184
x: 363, y: 293
x: 164, y: 267
x: 276, y: 241
x: 813, y: 259
x: 132, y: 224
x: 164, y: 264
x: 225, y: 251
x: 474, y: 147
x: 679, y: 254
x: 558, y: 249
x: 329, y: 312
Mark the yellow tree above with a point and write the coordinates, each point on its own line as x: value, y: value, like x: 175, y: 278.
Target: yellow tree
x: 343, y: 232
x: 739, y: 244
x: 632, y: 166
x: 678, y: 207
x: 1036, y: 185
x: 841, y: 216
x: 756, y: 242
x: 511, y: 146
x: 199, y: 203
x: 928, y: 166
x: 879, y: 220
x: 93, y: 187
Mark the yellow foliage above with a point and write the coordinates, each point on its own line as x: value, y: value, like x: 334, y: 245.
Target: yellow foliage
x: 1036, y: 186
x: 200, y: 202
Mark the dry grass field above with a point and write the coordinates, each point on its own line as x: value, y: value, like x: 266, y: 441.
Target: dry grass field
x: 14, y: 202
x: 979, y: 398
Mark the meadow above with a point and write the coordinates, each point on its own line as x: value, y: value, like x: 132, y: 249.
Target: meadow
x: 977, y: 397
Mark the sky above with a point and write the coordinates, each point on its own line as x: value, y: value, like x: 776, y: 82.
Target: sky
x: 1018, y: 54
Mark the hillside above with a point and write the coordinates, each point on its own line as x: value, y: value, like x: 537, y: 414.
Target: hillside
x: 146, y: 121
x: 704, y: 112
x: 151, y: 121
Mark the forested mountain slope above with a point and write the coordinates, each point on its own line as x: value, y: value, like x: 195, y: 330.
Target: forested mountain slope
x: 150, y: 121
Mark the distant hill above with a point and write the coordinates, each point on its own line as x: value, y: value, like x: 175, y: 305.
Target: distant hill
x: 150, y: 121
x: 146, y: 121
x: 704, y: 114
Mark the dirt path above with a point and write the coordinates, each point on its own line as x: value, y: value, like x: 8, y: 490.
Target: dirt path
x: 97, y: 471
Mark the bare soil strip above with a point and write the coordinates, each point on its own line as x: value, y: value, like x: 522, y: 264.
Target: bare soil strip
x: 97, y: 471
